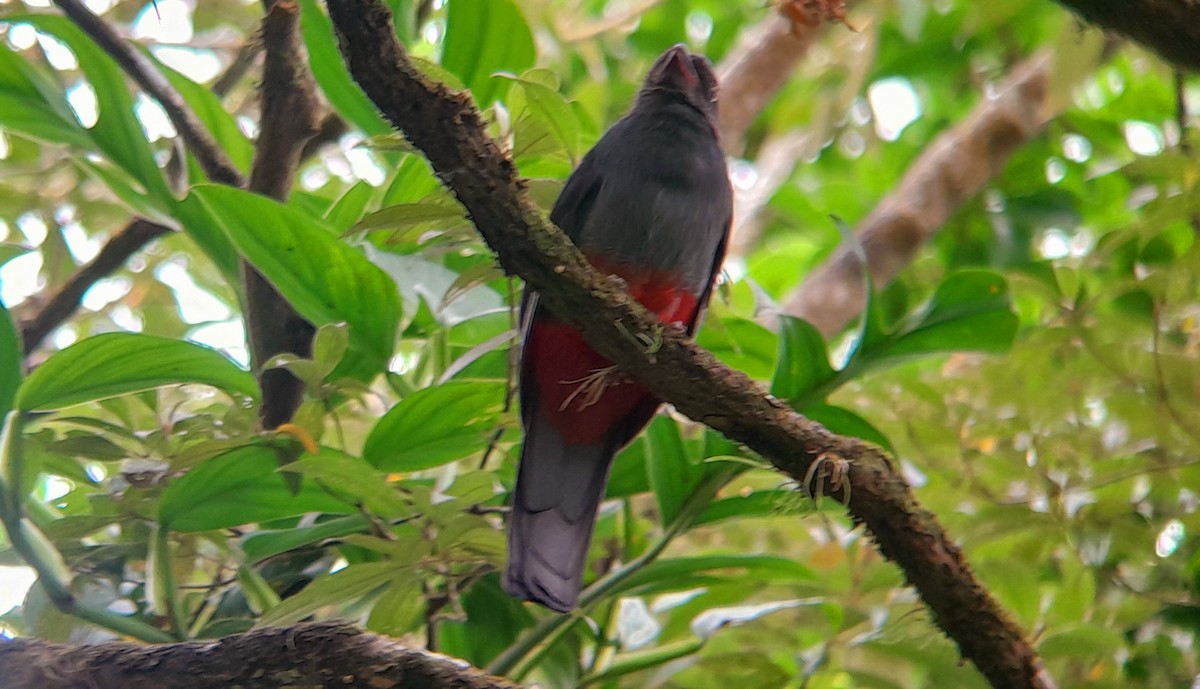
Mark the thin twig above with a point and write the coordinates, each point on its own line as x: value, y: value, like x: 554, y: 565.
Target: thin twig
x: 126, y: 242
x: 199, y: 140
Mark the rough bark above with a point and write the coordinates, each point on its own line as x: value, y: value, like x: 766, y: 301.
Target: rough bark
x: 288, y: 121
x: 448, y: 129
x: 955, y: 167
x: 325, y: 655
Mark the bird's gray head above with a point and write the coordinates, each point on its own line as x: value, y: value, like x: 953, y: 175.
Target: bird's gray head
x: 683, y: 76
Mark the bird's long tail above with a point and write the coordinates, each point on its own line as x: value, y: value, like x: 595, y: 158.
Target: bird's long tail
x: 558, y: 489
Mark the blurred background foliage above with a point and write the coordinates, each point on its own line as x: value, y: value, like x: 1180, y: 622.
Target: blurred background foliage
x: 1058, y: 445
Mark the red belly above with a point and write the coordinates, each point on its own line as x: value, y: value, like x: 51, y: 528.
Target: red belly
x: 582, y: 401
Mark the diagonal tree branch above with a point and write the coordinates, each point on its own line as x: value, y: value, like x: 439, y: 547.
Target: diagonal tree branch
x: 307, y: 655
x: 448, y: 129
x: 952, y: 169
x: 199, y: 140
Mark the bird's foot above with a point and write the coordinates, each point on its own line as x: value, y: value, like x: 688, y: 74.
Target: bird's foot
x: 651, y: 342
x: 827, y: 469
x: 618, y: 282
x: 592, y: 386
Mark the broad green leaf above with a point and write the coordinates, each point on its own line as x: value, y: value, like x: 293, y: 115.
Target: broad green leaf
x: 970, y: 311
x: 326, y: 280
x: 239, y: 487
x: 357, y: 480
x: 260, y: 545
x: 117, y: 131
x: 330, y: 72
x: 668, y: 574
x: 803, y: 361
x: 353, y: 582
x: 114, y: 364
x: 741, y: 344
x: 484, y: 37
x: 412, y: 182
x: 10, y: 361
x: 434, y: 209
x: 127, y: 190
x: 259, y: 594
x: 400, y: 609
x: 212, y: 114
x: 845, y: 422
x: 35, y: 106
x: 350, y: 207
x: 760, y: 503
x: 435, y: 426
x: 673, y: 474
x: 555, y: 119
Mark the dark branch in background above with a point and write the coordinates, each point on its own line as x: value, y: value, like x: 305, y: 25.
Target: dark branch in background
x: 325, y: 655
x: 127, y: 241
x: 208, y: 152
x: 242, y: 62
x: 112, y: 256
x: 950, y: 170
x: 288, y: 120
x: 1170, y: 28
x: 448, y: 129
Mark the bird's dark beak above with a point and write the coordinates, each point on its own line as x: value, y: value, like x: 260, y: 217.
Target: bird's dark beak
x: 678, y: 61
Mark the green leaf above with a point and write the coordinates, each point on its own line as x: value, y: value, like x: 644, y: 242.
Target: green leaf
x: 10, y: 361
x: 354, y: 477
x: 239, y: 487
x: 259, y: 594
x: 673, y: 476
x: 760, y: 503
x: 803, y: 361
x: 741, y: 344
x: 350, y: 207
x: 212, y: 114
x: 119, y: 363
x: 260, y: 545
x: 400, y: 609
x: 435, y: 426
x: 435, y: 208
x: 484, y: 37
x: 970, y: 311
x: 326, y: 280
x: 351, y: 583
x: 330, y: 72
x: 670, y: 574
x: 117, y: 131
x: 34, y: 105
x: 845, y: 422
x: 552, y: 116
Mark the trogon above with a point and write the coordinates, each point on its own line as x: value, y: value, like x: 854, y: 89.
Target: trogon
x: 651, y: 205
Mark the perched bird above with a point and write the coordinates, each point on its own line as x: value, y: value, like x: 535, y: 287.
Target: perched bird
x: 650, y: 205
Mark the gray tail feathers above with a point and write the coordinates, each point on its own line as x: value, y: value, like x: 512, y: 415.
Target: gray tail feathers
x: 558, y: 489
